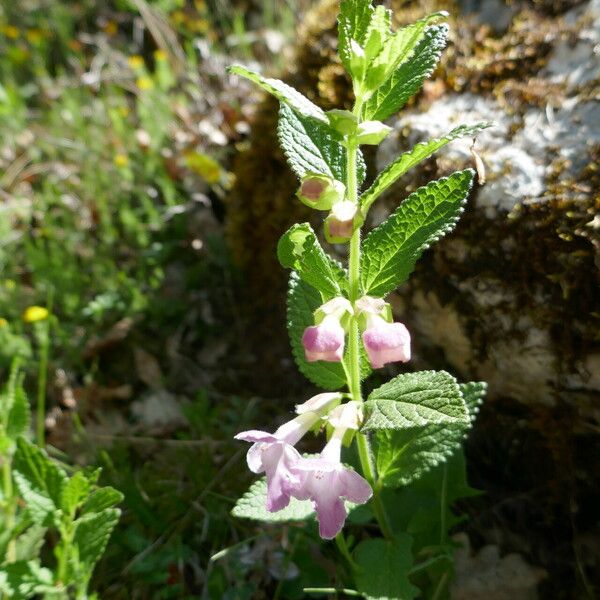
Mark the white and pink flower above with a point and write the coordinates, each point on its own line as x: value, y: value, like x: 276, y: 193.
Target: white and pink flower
x: 386, y: 342
x: 275, y: 455
x: 327, y: 482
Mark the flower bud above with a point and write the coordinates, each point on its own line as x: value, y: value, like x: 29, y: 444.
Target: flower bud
x: 320, y: 192
x: 372, y: 132
x: 339, y: 225
x: 324, y: 341
x: 386, y: 342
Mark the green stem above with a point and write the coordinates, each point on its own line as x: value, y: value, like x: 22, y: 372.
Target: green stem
x: 10, y: 507
x: 44, y: 342
x: 364, y: 451
x: 340, y: 540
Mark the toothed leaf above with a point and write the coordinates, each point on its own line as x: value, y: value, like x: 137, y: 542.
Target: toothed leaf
x: 353, y: 22
x: 416, y: 400
x: 283, y: 92
x: 313, y: 147
x: 398, y: 50
x: 408, y: 76
x: 391, y: 250
x: 300, y: 250
x: 403, y: 456
x: 413, y: 157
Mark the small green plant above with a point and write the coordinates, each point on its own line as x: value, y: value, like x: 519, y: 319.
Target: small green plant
x: 407, y: 433
x: 42, y: 509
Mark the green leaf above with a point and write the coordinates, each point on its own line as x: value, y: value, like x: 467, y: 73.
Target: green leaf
x: 8, y: 393
x: 19, y: 416
x: 253, y: 505
x: 39, y: 481
x: 91, y: 536
x: 378, y: 32
x: 302, y: 301
x: 473, y: 394
x: 74, y: 492
x: 398, y: 49
x: 404, y: 456
x: 313, y: 147
x: 353, y: 23
x: 383, y: 567
x: 414, y: 400
x: 391, y: 250
x: 100, y: 499
x: 22, y: 580
x: 29, y: 543
x: 413, y: 157
x: 408, y: 76
x: 299, y: 249
x: 283, y: 92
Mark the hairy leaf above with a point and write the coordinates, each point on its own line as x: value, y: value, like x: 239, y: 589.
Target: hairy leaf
x: 253, y: 505
x: 397, y: 49
x: 75, y: 490
x: 403, y: 456
x: 413, y: 157
x: 29, y: 543
x: 39, y: 480
x: 414, y: 400
x: 313, y: 147
x: 19, y: 416
x: 408, y: 76
x: 391, y: 250
x: 91, y: 536
x: 283, y: 92
x: 22, y: 580
x: 100, y: 499
x: 382, y: 568
x: 299, y: 249
x: 353, y: 22
x: 302, y: 301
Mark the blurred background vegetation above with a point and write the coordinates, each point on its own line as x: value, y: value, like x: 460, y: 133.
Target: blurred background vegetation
x: 141, y: 194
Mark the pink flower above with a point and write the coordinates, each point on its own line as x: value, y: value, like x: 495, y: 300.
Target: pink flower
x: 324, y: 341
x: 275, y: 453
x: 327, y: 482
x: 386, y: 342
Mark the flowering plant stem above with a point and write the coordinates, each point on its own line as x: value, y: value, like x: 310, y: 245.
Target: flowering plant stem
x: 364, y: 450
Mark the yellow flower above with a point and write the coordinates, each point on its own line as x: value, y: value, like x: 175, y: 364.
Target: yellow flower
x: 121, y: 160
x: 200, y: 26
x: 10, y: 31
x: 34, y: 36
x: 144, y: 83
x: 160, y: 55
x: 35, y: 313
x: 205, y: 166
x: 111, y: 28
x: 3, y: 323
x: 135, y: 62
